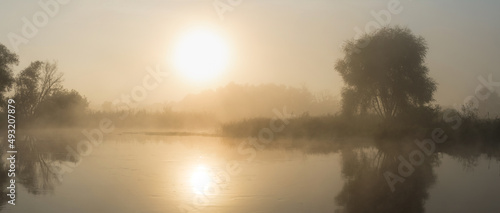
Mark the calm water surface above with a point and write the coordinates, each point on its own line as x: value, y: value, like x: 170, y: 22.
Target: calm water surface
x: 154, y: 173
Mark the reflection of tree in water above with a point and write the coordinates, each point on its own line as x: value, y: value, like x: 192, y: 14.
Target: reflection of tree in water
x: 34, y: 162
x: 34, y: 170
x: 468, y: 153
x: 366, y: 189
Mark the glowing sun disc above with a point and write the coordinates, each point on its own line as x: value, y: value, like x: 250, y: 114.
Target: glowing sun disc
x: 201, y: 55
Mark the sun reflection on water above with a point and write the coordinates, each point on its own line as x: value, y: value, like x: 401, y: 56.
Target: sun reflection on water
x: 200, y: 179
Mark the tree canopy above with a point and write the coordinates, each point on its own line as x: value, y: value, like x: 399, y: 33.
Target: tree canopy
x: 7, y: 59
x: 384, y: 72
x: 34, y: 84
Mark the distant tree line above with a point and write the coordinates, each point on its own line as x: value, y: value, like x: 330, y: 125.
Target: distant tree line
x: 240, y: 101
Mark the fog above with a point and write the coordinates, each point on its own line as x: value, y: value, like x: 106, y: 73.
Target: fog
x: 293, y: 43
x: 257, y: 106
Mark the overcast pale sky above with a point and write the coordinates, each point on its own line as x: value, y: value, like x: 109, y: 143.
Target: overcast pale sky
x: 104, y: 46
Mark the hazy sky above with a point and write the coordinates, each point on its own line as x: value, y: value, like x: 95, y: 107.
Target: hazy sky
x: 104, y: 46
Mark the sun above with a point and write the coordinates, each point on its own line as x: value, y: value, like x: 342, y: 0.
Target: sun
x: 201, y: 55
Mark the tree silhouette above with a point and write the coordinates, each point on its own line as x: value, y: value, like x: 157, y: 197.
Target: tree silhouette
x: 34, y: 84
x: 387, y: 75
x: 7, y: 58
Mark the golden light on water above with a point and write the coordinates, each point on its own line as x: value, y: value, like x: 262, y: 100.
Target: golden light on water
x: 200, y: 179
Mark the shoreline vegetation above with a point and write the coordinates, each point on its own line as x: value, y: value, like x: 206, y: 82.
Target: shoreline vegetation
x: 458, y: 126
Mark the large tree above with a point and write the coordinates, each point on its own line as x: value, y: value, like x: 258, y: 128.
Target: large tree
x: 34, y: 84
x: 7, y: 59
x: 384, y: 72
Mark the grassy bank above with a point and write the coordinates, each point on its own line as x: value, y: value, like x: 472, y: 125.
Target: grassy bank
x: 457, y: 127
